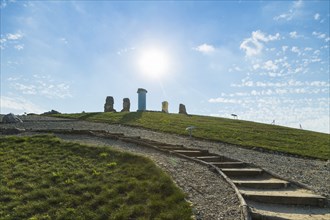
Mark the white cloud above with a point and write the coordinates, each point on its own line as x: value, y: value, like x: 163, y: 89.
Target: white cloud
x: 41, y: 85
x: 298, y: 4
x: 254, y: 45
x: 64, y: 40
x: 269, y: 65
x: 295, y: 35
x: 295, y: 50
x: 125, y: 50
x: 317, y: 16
x: 293, y: 11
x: 319, y: 35
x: 18, y: 105
x: 284, y: 48
x: 16, y: 36
x: 285, y: 16
x: 205, y: 48
x: 19, y: 47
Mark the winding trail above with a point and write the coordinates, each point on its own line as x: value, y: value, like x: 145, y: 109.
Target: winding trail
x: 213, y: 197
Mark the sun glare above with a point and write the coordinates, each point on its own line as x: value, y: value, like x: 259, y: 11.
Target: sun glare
x: 153, y: 63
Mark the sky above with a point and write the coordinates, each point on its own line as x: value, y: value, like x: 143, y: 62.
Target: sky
x: 265, y: 61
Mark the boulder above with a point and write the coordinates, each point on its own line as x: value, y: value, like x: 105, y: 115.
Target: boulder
x: 108, y: 106
x: 182, y: 109
x: 126, y: 105
x: 165, y: 107
x: 11, y: 118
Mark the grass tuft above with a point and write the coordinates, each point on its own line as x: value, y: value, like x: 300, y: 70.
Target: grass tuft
x: 42, y: 177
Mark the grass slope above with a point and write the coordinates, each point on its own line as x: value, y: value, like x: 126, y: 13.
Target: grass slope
x: 243, y: 133
x: 42, y: 177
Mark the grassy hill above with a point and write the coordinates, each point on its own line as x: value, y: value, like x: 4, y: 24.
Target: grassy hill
x: 243, y: 133
x: 42, y: 177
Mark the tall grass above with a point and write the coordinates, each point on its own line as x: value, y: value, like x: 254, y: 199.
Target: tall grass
x: 42, y: 177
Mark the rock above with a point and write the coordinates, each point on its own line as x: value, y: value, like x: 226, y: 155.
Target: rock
x: 11, y: 118
x: 108, y: 106
x: 165, y: 106
x: 126, y: 105
x: 182, y: 109
x: 51, y: 112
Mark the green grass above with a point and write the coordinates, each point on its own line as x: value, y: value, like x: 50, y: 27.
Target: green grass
x: 42, y: 177
x: 243, y: 133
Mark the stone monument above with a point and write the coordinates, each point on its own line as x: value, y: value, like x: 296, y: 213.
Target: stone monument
x: 165, y: 106
x: 108, y: 106
x: 182, y: 109
x: 126, y: 105
x: 142, y: 103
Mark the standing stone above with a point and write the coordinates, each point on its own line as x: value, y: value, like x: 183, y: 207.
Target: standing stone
x: 108, y: 106
x: 142, y: 100
x: 126, y: 105
x: 165, y: 106
x: 182, y: 109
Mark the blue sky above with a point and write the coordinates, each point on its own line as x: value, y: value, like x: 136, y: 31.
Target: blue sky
x: 261, y: 60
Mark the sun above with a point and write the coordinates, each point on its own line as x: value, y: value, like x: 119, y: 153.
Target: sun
x: 153, y: 62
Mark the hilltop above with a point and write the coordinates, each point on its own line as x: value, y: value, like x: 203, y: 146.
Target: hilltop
x: 238, y: 132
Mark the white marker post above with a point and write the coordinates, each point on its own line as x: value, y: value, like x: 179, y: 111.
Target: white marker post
x: 189, y: 129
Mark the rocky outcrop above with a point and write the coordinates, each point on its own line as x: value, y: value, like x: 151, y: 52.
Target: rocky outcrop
x: 182, y: 109
x: 11, y: 118
x: 165, y: 107
x: 126, y: 105
x: 108, y: 106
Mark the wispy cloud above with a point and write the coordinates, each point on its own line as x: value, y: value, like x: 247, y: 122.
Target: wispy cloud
x: 293, y: 11
x: 317, y: 16
x: 12, y: 39
x: 205, y: 48
x: 295, y: 35
x: 19, y: 46
x: 254, y: 45
x: 285, y: 16
x: 18, y: 105
x: 40, y: 85
x: 125, y: 50
x: 16, y: 36
x: 319, y: 35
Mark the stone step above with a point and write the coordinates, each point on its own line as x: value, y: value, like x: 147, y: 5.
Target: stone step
x: 215, y: 158
x: 229, y: 164
x: 242, y: 172
x: 284, y: 196
x: 262, y: 211
x: 271, y: 183
x: 192, y: 152
x: 171, y: 148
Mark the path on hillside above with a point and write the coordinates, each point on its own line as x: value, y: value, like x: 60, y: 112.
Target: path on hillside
x: 314, y: 173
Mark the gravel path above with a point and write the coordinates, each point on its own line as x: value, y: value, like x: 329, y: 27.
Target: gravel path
x: 211, y: 196
x: 314, y: 173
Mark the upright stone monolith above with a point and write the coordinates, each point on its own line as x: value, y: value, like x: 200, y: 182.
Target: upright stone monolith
x: 108, y: 106
x: 142, y: 100
x: 182, y: 109
x: 126, y: 105
x: 165, y: 106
